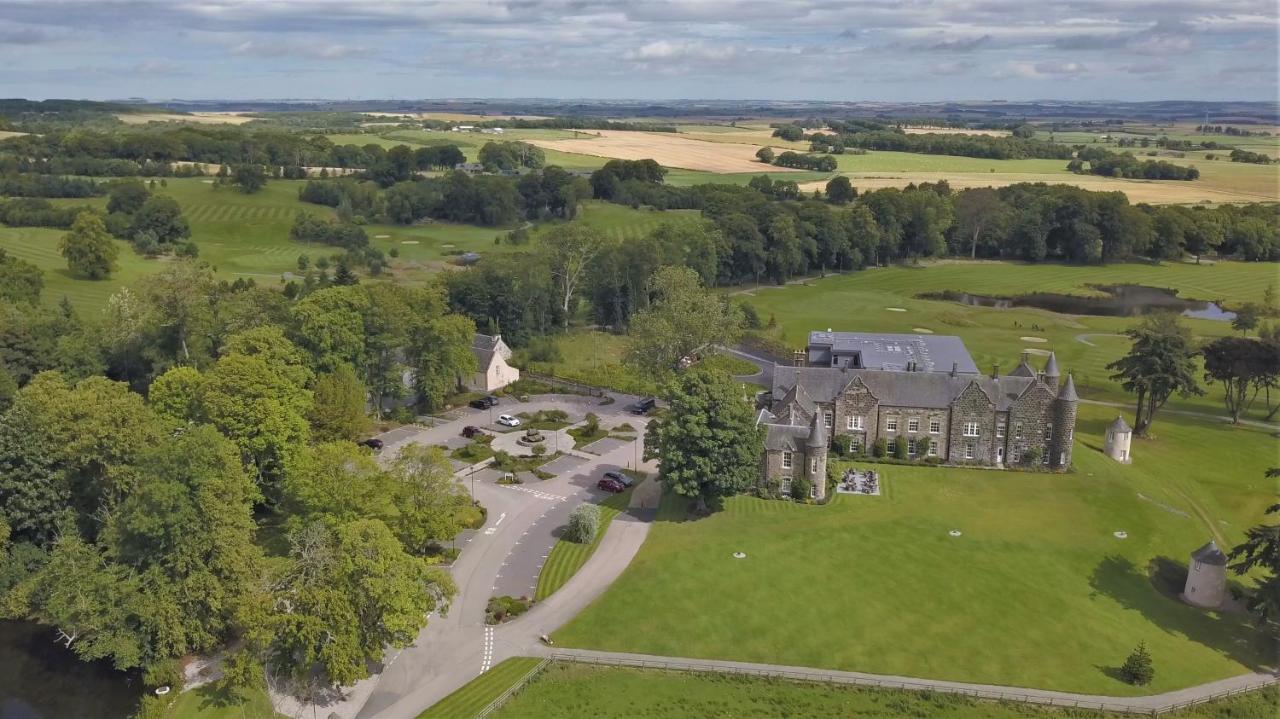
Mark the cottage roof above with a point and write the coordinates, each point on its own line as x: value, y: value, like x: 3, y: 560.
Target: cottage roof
x: 484, y: 347
x: 899, y: 389
x: 1119, y: 425
x: 1024, y: 369
x: 1068, y: 392
x: 1210, y: 554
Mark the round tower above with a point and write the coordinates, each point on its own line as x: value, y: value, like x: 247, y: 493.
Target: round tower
x: 1207, y: 577
x: 1115, y: 443
x: 1065, y: 406
x: 815, y: 450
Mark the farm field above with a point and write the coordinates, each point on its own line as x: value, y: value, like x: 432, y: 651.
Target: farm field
x: 1084, y: 344
x: 1037, y: 592
x: 198, y: 118
x: 668, y: 149
x: 581, y: 690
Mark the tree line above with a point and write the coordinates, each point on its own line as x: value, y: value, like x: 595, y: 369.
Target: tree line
x: 182, y: 475
x: 1098, y: 161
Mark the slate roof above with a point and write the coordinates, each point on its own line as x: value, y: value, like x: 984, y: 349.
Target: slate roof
x: 1051, y: 366
x: 1210, y: 554
x: 887, y: 351
x: 785, y: 436
x: 817, y: 432
x: 899, y: 389
x: 484, y: 347
x: 1119, y: 425
x: 1068, y: 391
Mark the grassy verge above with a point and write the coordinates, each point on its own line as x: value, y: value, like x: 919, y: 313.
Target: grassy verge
x: 1037, y: 592
x: 479, y: 692
x: 566, y: 557
x: 579, y: 690
x: 207, y: 703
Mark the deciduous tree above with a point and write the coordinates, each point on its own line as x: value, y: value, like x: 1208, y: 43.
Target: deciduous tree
x: 88, y: 248
x: 1160, y: 362
x: 683, y: 319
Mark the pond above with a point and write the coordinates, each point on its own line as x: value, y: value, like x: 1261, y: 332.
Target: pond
x: 1119, y: 301
x: 39, y: 679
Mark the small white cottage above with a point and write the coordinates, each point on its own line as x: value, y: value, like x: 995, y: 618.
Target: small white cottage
x: 492, y: 371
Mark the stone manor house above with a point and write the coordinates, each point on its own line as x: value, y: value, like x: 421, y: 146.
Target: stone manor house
x: 924, y: 390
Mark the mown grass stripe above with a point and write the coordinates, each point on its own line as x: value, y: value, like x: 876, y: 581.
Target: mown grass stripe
x: 479, y: 692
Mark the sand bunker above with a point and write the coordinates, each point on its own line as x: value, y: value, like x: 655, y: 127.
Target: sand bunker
x: 381, y: 237
x: 1036, y: 351
x: 922, y: 330
x: 896, y: 309
x: 1033, y: 339
x: 408, y: 242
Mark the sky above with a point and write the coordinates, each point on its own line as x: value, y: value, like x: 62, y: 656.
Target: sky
x: 853, y: 50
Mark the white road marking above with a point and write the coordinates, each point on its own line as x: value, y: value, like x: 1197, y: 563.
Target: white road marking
x: 487, y: 648
x: 500, y: 518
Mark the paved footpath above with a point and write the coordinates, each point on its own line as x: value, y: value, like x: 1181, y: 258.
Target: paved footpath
x: 1138, y: 705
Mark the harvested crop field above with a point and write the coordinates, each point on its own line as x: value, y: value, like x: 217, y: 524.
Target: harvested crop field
x: 202, y: 118
x: 1157, y: 193
x: 953, y: 131
x: 6, y: 134
x: 668, y: 149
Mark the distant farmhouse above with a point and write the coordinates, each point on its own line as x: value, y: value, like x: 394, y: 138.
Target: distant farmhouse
x: 492, y: 371
x: 924, y: 390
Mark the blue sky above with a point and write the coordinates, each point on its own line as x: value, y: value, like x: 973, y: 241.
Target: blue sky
x: 912, y: 50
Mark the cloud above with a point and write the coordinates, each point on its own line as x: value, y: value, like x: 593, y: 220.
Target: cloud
x: 281, y: 47
x: 1047, y: 69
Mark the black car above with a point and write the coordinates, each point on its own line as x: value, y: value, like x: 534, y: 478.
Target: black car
x: 644, y: 406
x: 372, y: 443
x: 485, y: 402
x: 619, y: 477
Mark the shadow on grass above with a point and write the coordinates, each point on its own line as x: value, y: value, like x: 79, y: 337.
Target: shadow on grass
x: 1154, y: 593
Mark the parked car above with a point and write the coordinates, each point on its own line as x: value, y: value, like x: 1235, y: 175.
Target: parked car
x: 507, y: 420
x: 611, y: 485
x: 372, y: 443
x: 472, y: 432
x: 644, y: 406
x: 620, y: 478
x: 485, y: 402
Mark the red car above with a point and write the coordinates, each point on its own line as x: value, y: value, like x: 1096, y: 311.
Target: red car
x: 611, y: 485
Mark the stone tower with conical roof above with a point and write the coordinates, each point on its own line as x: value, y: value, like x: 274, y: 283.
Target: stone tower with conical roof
x: 1207, y: 577
x: 1050, y: 375
x: 1065, y: 407
x: 815, y: 451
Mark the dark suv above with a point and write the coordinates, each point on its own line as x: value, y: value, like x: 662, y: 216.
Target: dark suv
x: 644, y: 406
x: 485, y: 402
x: 372, y: 443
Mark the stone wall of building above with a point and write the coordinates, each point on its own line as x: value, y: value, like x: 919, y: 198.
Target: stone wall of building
x: 858, y: 401
x: 1063, y: 433
x: 773, y: 465
x: 972, y: 405
x: 1033, y: 412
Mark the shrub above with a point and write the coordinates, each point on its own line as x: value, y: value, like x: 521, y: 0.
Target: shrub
x: 584, y: 522
x: 841, y: 443
x: 880, y: 448
x: 592, y: 424
x: 801, y: 488
x: 1137, y: 669
x: 501, y: 609
x: 538, y: 450
x: 1031, y: 457
x: 163, y: 673
x: 900, y: 448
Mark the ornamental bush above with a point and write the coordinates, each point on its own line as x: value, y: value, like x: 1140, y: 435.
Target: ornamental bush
x: 584, y: 522
x: 1137, y: 669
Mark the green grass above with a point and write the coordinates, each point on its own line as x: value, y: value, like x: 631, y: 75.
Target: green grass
x: 205, y: 703
x: 1036, y: 593
x: 581, y: 690
x: 566, y: 557
x: 858, y: 301
x: 478, y: 693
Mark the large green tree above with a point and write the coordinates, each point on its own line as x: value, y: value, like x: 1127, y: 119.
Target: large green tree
x: 430, y: 504
x: 1260, y: 554
x: 88, y: 248
x: 1161, y: 361
x: 161, y: 219
x: 338, y: 411
x: 347, y: 595
x: 1243, y: 366
x: 707, y: 443
x: 683, y: 319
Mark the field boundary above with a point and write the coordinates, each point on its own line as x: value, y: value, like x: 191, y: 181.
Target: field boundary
x: 502, y: 698
x: 1142, y: 705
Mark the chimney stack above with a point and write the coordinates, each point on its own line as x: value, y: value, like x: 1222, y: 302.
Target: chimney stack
x: 955, y: 367
x: 995, y: 370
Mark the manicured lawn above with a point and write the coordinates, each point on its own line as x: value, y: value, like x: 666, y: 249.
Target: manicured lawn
x: 478, y: 693
x: 860, y: 301
x: 1036, y: 593
x: 567, y: 557
x: 580, y: 690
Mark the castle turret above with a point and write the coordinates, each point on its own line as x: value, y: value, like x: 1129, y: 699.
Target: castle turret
x: 1050, y: 375
x: 815, y: 450
x: 1115, y: 443
x: 1207, y: 577
x: 1065, y: 407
